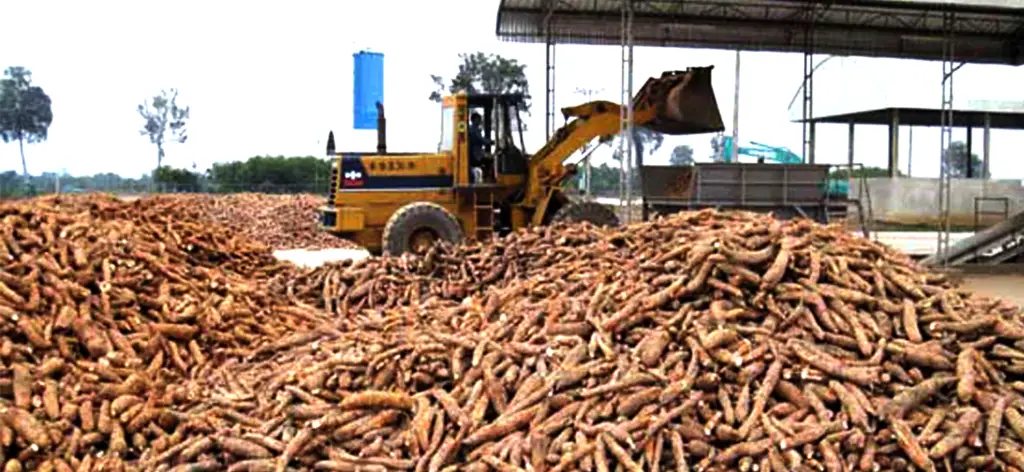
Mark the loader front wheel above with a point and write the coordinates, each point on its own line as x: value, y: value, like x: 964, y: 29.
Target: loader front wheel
x: 417, y: 226
x: 592, y: 212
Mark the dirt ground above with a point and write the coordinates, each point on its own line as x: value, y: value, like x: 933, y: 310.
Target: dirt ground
x: 1007, y: 286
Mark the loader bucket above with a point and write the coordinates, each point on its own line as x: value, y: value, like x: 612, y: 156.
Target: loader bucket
x: 684, y: 102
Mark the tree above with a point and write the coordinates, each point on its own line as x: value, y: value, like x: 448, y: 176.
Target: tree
x: 682, y: 155
x: 165, y: 121
x: 485, y: 73
x: 717, y: 148
x: 272, y: 175
x: 643, y: 139
x: 958, y: 163
x: 177, y: 180
x: 25, y: 113
x: 859, y: 172
x: 604, y: 180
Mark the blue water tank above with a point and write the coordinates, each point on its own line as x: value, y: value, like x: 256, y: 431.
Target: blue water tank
x: 368, y: 88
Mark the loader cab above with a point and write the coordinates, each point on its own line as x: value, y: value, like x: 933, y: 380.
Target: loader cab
x: 502, y: 129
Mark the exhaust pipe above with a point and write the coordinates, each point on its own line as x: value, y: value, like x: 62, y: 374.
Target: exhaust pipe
x: 382, y: 136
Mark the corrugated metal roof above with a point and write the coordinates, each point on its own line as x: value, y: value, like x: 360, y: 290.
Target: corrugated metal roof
x: 960, y: 3
x: 985, y: 31
x: 998, y: 119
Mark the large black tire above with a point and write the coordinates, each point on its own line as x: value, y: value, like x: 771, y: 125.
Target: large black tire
x: 415, y: 219
x: 592, y: 212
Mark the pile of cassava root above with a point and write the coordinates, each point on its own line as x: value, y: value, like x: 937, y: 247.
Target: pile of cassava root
x: 105, y: 307
x: 705, y: 341
x: 279, y: 221
x: 702, y: 341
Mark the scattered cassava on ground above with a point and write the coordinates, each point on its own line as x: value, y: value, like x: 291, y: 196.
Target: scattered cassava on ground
x: 133, y: 339
x: 279, y: 221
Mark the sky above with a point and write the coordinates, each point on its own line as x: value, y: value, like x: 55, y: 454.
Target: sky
x: 272, y: 78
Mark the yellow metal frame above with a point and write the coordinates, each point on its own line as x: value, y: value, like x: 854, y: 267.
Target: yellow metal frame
x: 350, y: 219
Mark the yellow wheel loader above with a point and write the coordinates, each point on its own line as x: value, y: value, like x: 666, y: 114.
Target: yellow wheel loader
x: 400, y: 202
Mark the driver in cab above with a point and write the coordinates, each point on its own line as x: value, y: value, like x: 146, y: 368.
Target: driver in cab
x: 477, y: 141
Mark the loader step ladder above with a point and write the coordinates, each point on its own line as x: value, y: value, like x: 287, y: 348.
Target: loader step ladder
x: 483, y: 212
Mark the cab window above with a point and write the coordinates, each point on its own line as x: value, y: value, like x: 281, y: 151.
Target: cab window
x: 447, y: 128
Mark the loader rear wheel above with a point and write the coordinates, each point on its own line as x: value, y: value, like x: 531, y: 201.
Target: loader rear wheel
x: 592, y: 212
x: 417, y: 226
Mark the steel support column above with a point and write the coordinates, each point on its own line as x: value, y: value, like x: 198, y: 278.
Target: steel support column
x: 549, y: 80
x: 894, y: 144
x: 986, y: 143
x: 736, y: 114
x: 971, y: 171
x: 587, y: 165
x: 626, y: 113
x: 949, y: 67
x: 808, y: 89
x: 849, y: 151
x: 910, y: 151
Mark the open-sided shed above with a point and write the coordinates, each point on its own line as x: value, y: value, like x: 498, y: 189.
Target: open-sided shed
x: 952, y: 31
x: 894, y: 117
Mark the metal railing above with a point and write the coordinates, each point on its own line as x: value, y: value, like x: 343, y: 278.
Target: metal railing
x: 979, y: 211
x: 863, y: 200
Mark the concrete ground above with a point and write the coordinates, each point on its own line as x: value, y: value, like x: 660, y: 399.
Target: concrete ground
x: 1006, y: 286
x: 316, y: 258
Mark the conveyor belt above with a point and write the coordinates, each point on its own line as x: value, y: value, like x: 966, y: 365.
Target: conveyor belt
x: 995, y: 245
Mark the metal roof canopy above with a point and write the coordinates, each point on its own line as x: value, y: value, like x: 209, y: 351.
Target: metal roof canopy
x: 984, y: 31
x: 998, y: 119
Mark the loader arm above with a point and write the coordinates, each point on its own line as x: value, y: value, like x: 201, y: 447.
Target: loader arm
x: 589, y: 121
x: 677, y: 103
